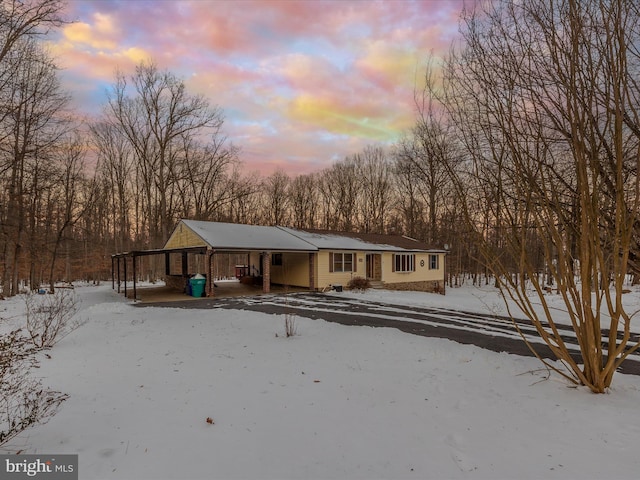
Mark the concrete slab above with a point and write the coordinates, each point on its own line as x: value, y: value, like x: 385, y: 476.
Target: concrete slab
x: 162, y: 293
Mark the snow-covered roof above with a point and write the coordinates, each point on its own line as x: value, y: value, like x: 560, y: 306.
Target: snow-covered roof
x: 234, y: 236
x: 353, y: 241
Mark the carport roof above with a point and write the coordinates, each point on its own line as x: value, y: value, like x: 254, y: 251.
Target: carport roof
x: 240, y: 237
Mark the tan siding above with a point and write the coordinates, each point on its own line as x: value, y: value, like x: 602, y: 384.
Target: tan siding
x: 325, y: 277
x: 294, y: 270
x: 183, y: 236
x: 422, y: 273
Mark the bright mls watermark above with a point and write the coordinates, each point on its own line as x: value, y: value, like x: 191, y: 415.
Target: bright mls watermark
x: 49, y: 467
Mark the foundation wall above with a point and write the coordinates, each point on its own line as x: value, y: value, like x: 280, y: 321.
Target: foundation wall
x: 433, y: 286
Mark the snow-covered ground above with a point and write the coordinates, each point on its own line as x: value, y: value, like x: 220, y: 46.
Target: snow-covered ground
x: 331, y: 402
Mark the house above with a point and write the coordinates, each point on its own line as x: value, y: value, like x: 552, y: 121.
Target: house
x: 312, y: 259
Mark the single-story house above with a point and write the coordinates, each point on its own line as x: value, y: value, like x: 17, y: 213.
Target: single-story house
x: 313, y: 259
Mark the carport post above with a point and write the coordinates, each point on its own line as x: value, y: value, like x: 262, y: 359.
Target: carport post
x: 210, y: 254
x: 266, y: 272
x: 118, y: 259
x: 185, y: 264
x: 444, y: 267
x: 125, y: 277
x: 312, y: 271
x: 134, y: 277
x: 185, y: 271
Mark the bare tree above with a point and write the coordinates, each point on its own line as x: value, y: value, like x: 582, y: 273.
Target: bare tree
x: 409, y: 192
x: 339, y: 189
x: 545, y: 100
x: 31, y: 131
x: 427, y: 153
x: 374, y: 171
x: 276, y: 191
x: 203, y: 183
x: 327, y: 220
x: 156, y: 114
x: 115, y: 166
x: 244, y: 206
x: 72, y: 205
x: 27, y: 18
x: 29, y: 101
x: 22, y: 20
x: 304, y: 201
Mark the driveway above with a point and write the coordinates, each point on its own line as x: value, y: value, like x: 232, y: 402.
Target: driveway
x: 487, y: 331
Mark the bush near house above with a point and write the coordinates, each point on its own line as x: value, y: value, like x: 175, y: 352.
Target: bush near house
x: 359, y: 283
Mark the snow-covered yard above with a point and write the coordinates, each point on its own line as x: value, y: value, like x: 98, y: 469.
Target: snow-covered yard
x: 331, y: 402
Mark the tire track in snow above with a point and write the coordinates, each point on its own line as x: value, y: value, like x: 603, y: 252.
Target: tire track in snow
x: 492, y: 332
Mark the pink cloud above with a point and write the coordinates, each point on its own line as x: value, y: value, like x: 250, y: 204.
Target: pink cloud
x: 302, y: 83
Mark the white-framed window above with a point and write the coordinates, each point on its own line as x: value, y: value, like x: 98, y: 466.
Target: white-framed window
x: 342, y: 262
x: 404, y: 262
x: 434, y: 262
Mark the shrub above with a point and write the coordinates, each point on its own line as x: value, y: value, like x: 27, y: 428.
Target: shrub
x: 24, y: 401
x: 290, y: 325
x: 50, y: 317
x: 359, y: 283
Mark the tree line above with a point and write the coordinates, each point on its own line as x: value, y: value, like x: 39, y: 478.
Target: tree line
x: 75, y: 192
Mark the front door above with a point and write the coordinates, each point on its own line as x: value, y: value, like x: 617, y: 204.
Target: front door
x: 374, y: 266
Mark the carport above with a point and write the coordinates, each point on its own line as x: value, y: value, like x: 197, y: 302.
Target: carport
x: 209, y: 239
x: 123, y: 263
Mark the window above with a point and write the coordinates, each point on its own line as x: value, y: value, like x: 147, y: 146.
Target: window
x: 276, y: 259
x: 341, y: 262
x: 404, y: 262
x: 434, y: 262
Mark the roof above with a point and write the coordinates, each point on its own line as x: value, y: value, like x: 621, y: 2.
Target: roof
x: 235, y: 236
x: 241, y: 237
x: 158, y: 251
x: 329, y: 240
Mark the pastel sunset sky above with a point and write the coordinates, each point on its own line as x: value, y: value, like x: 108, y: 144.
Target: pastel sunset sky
x: 302, y: 83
